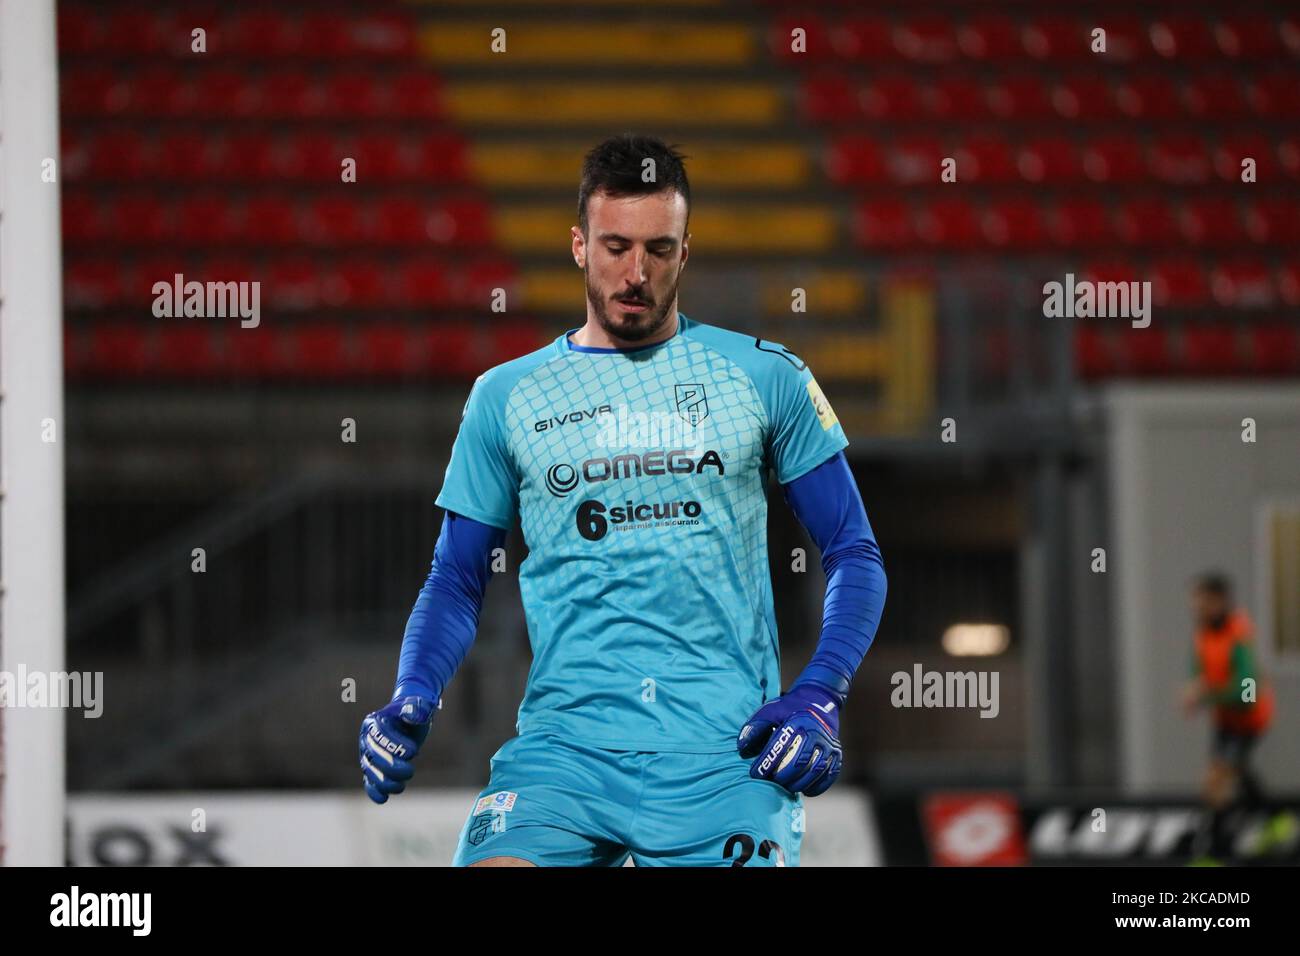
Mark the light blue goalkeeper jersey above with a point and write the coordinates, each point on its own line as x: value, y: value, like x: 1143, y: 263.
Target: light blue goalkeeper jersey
x: 638, y: 477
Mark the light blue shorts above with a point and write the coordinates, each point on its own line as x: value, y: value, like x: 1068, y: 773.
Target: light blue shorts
x: 554, y: 802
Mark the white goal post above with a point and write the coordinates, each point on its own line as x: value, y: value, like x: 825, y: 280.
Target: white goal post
x: 32, y: 432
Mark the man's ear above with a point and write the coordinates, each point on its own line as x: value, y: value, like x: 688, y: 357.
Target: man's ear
x: 686, y: 249
x: 579, y: 246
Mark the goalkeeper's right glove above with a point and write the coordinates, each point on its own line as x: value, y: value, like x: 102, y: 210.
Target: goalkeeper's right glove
x: 390, y: 739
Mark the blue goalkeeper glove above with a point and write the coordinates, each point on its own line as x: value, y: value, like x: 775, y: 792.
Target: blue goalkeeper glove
x: 390, y: 739
x: 795, y: 739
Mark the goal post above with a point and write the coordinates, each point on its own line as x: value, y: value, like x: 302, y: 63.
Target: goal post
x: 32, y: 433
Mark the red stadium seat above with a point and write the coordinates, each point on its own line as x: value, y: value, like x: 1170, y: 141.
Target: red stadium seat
x: 1150, y: 96
x: 83, y: 217
x: 1080, y: 223
x: 1056, y: 38
x: 1213, y: 221
x: 1049, y: 160
x: 380, y: 156
x: 356, y: 284
x: 288, y: 94
x: 1019, y: 97
x: 993, y: 38
x: 1242, y: 284
x: 334, y: 220
x: 1288, y: 155
x: 293, y: 284
x: 1214, y: 96
x: 353, y: 95
x: 1179, y: 283
x: 423, y: 282
x: 186, y: 156
x: 890, y: 97
x: 137, y: 32
x: 1211, y: 350
x: 855, y: 159
x: 321, y: 350
x: 1084, y: 98
x: 390, y: 348
x: 443, y: 157
x: 309, y: 155
x: 120, y: 154
x: 161, y: 90
x: 926, y: 39
x: 473, y: 284
x: 985, y: 159
x: 461, y: 220
x: 92, y: 284
x: 380, y: 33
x: 1126, y: 38
x: 325, y: 35
x: 883, y: 224
x: 1113, y: 159
x: 226, y: 93
x: 188, y: 350
x: 402, y: 220
x: 247, y: 156
x: 1233, y: 148
x: 1183, y: 37
x: 1144, y: 351
x: 1275, y: 348
x: 121, y: 348
x: 863, y: 39
x: 267, y: 34
x: 1273, y: 221
x: 1147, y: 221
x: 1275, y: 95
x: 916, y: 159
x: 1248, y: 37
x: 270, y: 220
x: 957, y: 98
x: 948, y: 223
x: 206, y: 219
x: 1180, y: 159
x: 1014, y: 224
x: 829, y: 98
x: 80, y: 31
x: 140, y: 218
x: 1288, y: 282
x: 415, y: 94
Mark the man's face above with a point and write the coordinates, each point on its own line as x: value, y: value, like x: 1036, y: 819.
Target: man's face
x: 1208, y: 607
x: 632, y: 257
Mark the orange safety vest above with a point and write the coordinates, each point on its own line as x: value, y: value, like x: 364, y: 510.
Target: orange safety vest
x: 1214, y: 651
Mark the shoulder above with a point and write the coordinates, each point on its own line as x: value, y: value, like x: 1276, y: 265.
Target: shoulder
x: 769, y: 364
x: 495, y: 385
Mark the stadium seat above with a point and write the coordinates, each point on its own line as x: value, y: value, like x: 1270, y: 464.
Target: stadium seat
x: 1018, y: 97
x: 1242, y: 284
x: 883, y: 224
x: 1183, y: 37
x: 1249, y: 37
x: 916, y: 159
x: 1275, y: 95
x: 1273, y: 221
x: 929, y: 39
x: 1148, y: 96
x: 863, y: 39
x: 956, y: 98
x: 1079, y: 223
x: 1179, y: 283
x: 1275, y: 348
x: 1210, y: 349
x: 1213, y: 221
x: 994, y: 38
x: 1147, y: 221
x: 1014, y: 224
x: 1180, y: 159
x: 829, y: 98
x: 1057, y: 39
x: 1053, y: 160
x: 1214, y: 96
x: 1084, y: 97
x: 985, y: 159
x: 890, y: 97
x: 948, y: 223
x: 1113, y: 159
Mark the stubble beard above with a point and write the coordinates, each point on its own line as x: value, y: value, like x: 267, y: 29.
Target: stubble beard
x: 630, y: 326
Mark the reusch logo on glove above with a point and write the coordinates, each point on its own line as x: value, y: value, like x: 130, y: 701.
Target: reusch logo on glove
x: 392, y: 746
x: 786, y: 733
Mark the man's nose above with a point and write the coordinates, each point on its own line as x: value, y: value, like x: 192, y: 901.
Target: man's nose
x: 635, y: 274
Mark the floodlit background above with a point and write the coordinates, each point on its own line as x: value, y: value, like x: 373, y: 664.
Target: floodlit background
x: 1058, y: 478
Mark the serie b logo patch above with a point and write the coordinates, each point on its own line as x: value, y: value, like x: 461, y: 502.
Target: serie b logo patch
x: 825, y: 414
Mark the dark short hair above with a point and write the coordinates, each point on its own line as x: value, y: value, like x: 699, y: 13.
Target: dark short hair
x: 1216, y: 583
x: 614, y: 167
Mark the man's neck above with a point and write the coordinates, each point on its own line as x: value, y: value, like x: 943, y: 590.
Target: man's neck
x: 593, y: 335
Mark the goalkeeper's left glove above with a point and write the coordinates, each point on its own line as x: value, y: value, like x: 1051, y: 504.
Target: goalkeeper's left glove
x: 795, y: 739
x: 390, y: 739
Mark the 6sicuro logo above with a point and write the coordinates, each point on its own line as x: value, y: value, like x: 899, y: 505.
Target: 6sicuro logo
x: 594, y: 518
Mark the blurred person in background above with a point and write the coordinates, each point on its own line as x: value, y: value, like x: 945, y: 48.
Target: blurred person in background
x: 1226, y: 678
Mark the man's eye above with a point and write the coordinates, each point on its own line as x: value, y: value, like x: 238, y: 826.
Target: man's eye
x: 616, y: 250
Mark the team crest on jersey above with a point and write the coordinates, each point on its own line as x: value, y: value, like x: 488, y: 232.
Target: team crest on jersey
x: 501, y: 800
x: 692, y: 403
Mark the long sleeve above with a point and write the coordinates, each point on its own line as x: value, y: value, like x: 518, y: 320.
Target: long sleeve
x: 443, y: 622
x: 826, y: 501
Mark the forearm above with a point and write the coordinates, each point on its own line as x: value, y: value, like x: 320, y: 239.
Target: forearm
x: 445, y: 617
x: 827, y: 503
